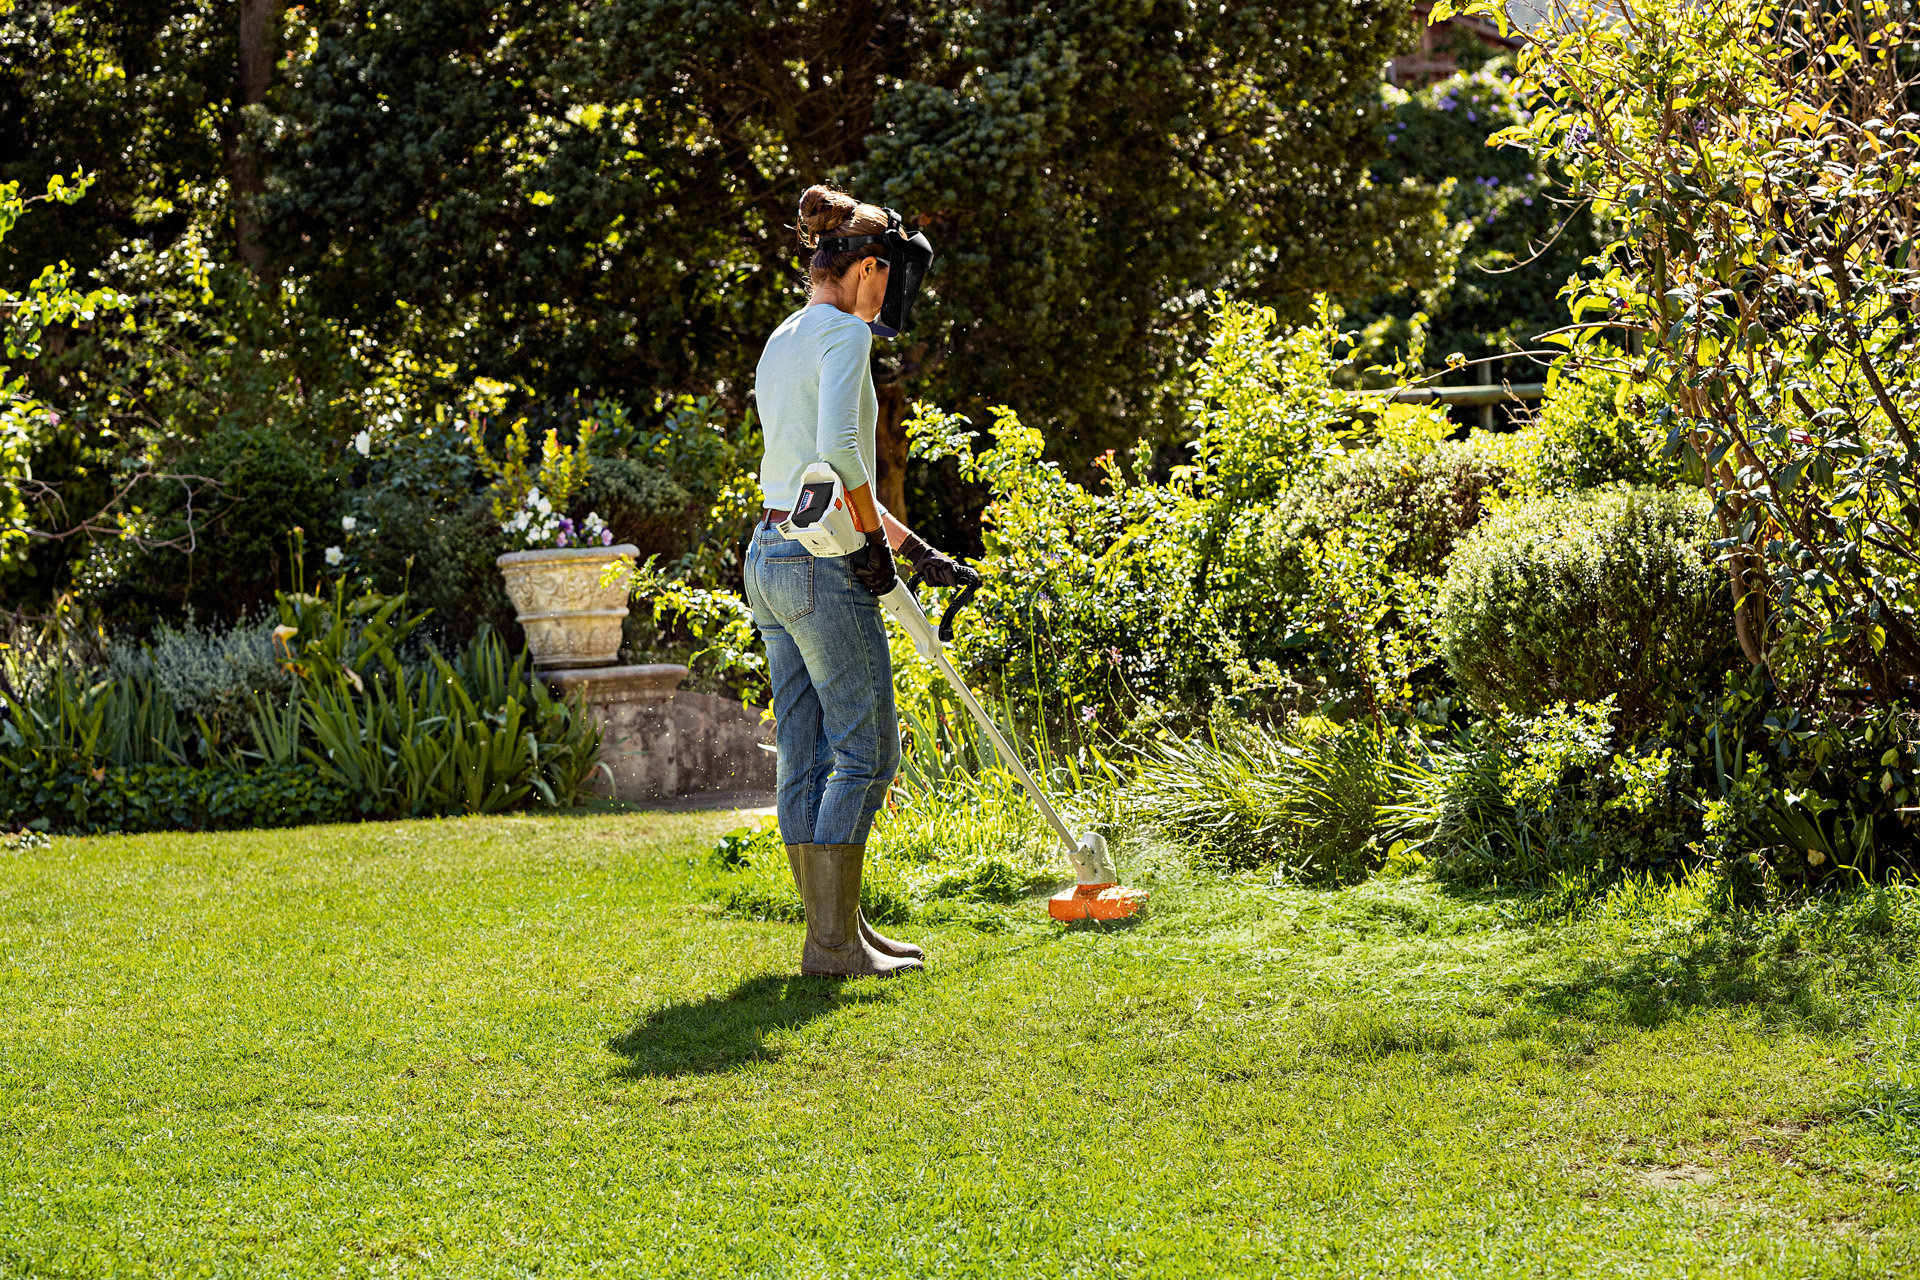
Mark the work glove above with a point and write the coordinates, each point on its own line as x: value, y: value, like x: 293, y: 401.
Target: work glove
x: 873, y: 564
x: 937, y: 568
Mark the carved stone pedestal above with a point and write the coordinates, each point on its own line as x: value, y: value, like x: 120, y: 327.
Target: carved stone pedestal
x: 661, y: 741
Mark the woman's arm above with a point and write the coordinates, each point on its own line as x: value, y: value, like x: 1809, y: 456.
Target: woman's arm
x: 866, y: 513
x: 939, y: 568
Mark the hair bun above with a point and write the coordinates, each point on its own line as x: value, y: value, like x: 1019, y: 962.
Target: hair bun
x: 822, y: 211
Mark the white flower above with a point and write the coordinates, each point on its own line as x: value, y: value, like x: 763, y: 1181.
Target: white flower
x: 364, y: 443
x: 348, y: 523
x: 335, y: 555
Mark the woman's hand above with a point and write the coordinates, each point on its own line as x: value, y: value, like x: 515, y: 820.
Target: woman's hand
x: 873, y: 564
x: 939, y: 569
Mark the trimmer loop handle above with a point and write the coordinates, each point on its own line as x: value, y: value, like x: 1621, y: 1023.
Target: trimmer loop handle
x: 960, y: 600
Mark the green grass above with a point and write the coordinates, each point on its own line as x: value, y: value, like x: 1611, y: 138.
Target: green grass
x: 494, y: 1047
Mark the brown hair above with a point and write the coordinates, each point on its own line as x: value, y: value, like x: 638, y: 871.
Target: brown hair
x: 827, y: 212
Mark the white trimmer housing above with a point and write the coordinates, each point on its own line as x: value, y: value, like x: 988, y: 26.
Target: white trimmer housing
x: 822, y: 519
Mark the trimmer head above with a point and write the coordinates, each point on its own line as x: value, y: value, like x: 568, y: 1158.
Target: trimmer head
x: 1099, y: 894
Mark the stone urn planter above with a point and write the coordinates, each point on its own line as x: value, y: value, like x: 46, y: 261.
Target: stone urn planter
x: 570, y: 619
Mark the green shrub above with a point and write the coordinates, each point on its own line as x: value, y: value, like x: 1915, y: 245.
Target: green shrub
x: 1527, y: 799
x: 1430, y: 498
x: 211, y: 672
x: 384, y: 738
x: 1797, y: 794
x: 1585, y: 598
x: 1590, y: 430
x: 1304, y: 801
x: 643, y: 505
x: 71, y: 794
x: 471, y: 735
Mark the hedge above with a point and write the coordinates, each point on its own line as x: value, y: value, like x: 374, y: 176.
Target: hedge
x: 78, y: 797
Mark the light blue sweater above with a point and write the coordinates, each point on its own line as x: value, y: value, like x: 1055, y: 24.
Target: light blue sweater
x: 815, y: 392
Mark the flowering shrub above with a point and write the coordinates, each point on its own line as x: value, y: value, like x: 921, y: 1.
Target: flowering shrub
x: 530, y: 504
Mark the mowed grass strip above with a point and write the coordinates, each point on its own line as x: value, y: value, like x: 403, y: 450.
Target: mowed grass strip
x: 490, y: 1047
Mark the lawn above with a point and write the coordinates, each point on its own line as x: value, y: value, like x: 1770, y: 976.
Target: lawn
x: 501, y: 1046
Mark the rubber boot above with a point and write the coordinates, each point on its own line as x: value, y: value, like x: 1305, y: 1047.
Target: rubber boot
x: 829, y: 877
x: 877, y: 940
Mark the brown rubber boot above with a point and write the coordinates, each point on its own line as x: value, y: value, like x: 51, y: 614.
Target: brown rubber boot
x: 888, y: 946
x: 829, y: 877
x: 877, y: 940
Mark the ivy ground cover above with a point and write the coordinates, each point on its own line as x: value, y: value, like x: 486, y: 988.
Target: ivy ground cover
x: 500, y: 1046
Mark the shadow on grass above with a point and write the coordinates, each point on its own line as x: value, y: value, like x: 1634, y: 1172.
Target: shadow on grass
x: 1655, y: 987
x: 1752, y: 962
x: 719, y: 1033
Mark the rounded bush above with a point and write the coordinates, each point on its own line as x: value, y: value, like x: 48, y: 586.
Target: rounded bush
x: 1431, y: 499
x: 1609, y: 593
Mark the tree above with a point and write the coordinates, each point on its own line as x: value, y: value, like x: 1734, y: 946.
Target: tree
x: 597, y: 196
x: 1519, y: 243
x: 592, y: 197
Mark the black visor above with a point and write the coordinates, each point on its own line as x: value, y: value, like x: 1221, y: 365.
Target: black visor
x: 907, y: 257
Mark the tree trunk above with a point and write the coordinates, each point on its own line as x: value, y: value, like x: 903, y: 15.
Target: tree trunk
x: 257, y: 21
x: 890, y: 443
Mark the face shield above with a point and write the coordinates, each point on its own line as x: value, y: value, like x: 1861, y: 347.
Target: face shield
x: 907, y: 259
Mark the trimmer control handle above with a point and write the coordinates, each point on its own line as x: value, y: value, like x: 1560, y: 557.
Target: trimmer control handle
x: 954, y: 606
x: 961, y: 599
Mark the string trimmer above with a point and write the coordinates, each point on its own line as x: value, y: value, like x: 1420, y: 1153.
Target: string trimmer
x: 1098, y: 895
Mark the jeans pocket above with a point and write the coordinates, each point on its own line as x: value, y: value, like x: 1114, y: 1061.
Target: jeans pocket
x: 786, y: 585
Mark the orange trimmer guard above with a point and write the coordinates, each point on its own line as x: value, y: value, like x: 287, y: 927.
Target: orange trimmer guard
x: 1095, y: 902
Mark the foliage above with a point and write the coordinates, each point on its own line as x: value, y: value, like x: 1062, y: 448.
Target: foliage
x: 121, y: 723
x: 531, y: 504
x: 1585, y: 598
x: 1505, y: 226
x: 1758, y: 162
x: 499, y: 202
x: 1593, y: 428
x: 1430, y: 497
x: 1133, y: 600
x: 356, y: 708
x: 1536, y: 799
x: 48, y: 300
x: 206, y: 670
x: 1302, y: 801
x: 472, y: 735
x: 1804, y: 794
x: 72, y: 795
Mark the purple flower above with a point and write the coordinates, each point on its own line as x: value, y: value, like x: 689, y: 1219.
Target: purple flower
x: 1472, y: 116
x: 561, y: 539
x: 1489, y: 219
x: 606, y: 535
x: 1528, y: 200
x: 1493, y: 182
x: 1087, y: 713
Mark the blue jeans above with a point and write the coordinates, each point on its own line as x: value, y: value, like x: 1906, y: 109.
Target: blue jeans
x: 834, y: 720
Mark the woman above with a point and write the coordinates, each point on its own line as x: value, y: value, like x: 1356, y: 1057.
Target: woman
x: 838, y: 737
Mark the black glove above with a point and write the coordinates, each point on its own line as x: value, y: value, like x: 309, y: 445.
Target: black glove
x: 939, y: 569
x: 873, y: 564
